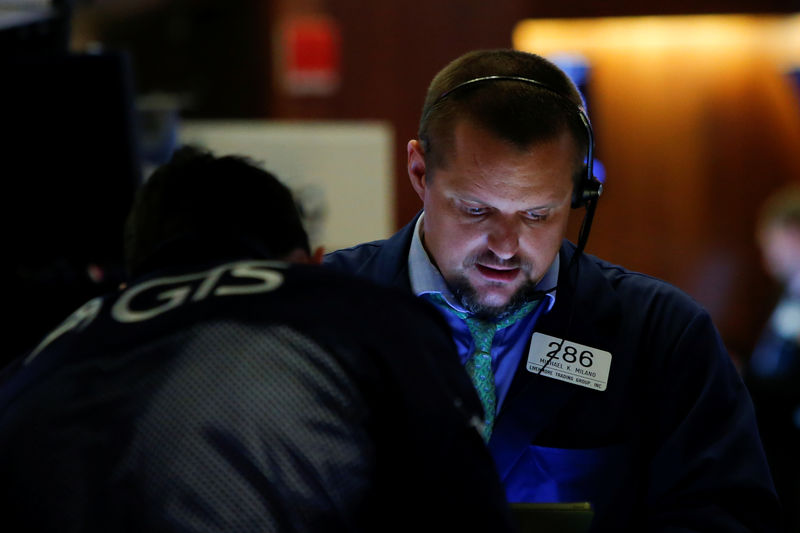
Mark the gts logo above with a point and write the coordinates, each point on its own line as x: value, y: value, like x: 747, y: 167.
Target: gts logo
x: 153, y: 297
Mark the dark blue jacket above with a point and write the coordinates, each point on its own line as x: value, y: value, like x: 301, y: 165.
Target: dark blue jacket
x: 246, y: 396
x: 670, y: 445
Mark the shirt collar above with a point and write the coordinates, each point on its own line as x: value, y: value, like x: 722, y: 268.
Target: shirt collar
x: 426, y: 278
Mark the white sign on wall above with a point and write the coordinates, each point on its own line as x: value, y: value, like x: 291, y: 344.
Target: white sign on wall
x: 341, y: 172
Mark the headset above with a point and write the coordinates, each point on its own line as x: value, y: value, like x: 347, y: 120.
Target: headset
x: 588, y: 190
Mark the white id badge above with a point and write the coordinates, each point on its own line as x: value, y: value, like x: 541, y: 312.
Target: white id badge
x: 568, y: 361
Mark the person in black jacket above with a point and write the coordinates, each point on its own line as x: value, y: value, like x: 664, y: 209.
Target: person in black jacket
x: 233, y: 386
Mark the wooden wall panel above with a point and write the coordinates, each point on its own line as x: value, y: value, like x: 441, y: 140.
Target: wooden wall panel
x: 691, y: 151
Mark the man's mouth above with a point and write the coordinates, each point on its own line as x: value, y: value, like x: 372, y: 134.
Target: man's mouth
x: 501, y: 274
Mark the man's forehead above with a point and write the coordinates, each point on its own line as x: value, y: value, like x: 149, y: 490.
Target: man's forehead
x: 447, y: 138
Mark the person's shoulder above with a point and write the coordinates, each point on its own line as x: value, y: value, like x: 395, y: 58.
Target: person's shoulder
x: 353, y: 255
x: 645, y: 289
x: 357, y: 288
x: 357, y: 295
x: 371, y: 258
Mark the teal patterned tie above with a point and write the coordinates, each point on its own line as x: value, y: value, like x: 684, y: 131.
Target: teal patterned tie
x: 479, y: 364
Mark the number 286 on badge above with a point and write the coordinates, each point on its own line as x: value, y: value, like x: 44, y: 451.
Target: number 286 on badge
x: 568, y: 361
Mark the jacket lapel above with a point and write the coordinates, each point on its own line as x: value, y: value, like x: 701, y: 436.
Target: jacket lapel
x: 584, y: 311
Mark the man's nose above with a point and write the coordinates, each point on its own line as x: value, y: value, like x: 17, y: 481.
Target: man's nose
x: 503, y: 236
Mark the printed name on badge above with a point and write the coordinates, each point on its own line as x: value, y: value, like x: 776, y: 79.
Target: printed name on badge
x: 567, y: 361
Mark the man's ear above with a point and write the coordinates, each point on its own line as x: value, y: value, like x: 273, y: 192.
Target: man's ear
x: 416, y: 167
x: 298, y: 255
x: 316, y: 258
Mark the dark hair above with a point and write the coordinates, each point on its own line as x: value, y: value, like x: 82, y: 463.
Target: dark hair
x: 519, y: 112
x: 212, y: 201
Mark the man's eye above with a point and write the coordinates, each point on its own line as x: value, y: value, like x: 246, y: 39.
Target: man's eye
x: 475, y: 211
x: 535, y: 217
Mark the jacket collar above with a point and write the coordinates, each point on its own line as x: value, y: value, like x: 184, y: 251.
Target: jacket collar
x: 391, y: 260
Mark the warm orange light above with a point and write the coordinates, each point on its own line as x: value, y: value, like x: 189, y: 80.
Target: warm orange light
x: 778, y: 36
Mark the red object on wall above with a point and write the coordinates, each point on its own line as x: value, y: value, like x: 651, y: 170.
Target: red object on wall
x: 311, y: 55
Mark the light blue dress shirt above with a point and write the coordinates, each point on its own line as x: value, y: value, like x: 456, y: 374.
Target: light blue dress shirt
x: 509, y: 344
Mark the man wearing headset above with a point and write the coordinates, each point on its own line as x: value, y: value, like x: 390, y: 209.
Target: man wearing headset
x: 599, y: 384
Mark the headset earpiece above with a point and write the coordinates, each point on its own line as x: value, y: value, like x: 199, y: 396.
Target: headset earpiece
x: 587, y: 190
